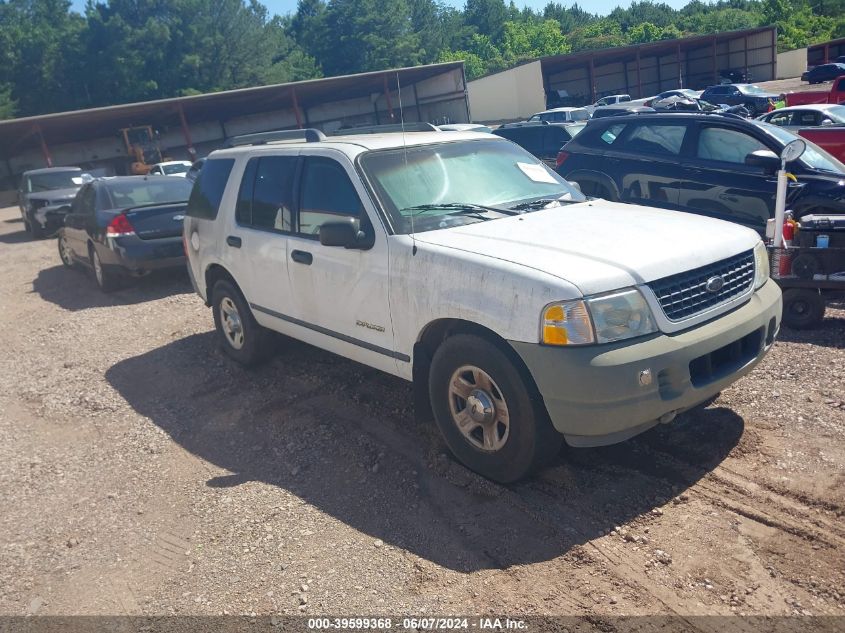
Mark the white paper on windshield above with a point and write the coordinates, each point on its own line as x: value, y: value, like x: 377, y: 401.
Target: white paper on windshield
x: 537, y: 173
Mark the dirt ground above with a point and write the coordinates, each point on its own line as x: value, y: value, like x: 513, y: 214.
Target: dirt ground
x: 144, y: 473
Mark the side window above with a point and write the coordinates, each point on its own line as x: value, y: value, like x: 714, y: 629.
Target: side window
x: 656, y: 139
x: 76, y: 205
x: 840, y: 85
x: 612, y: 133
x: 327, y: 196
x: 780, y: 118
x: 727, y: 146
x: 265, y: 200
x: 209, y: 187
x: 88, y: 200
x: 806, y: 118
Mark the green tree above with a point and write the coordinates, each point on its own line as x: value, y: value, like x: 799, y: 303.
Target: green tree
x: 644, y: 32
x: 487, y: 16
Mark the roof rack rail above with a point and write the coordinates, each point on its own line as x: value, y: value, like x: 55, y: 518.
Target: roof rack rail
x: 384, y: 129
x: 310, y: 135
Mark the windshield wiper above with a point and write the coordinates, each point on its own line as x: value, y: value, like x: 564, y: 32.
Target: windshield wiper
x: 539, y: 204
x: 457, y: 208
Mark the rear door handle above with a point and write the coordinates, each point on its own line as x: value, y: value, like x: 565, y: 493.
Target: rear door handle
x: 302, y: 257
x: 234, y: 241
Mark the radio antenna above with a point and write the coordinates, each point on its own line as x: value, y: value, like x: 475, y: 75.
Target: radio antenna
x: 405, y: 156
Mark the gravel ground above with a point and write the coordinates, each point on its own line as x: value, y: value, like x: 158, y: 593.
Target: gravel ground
x: 144, y: 473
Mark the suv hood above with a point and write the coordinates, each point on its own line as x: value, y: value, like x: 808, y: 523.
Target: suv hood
x: 600, y: 246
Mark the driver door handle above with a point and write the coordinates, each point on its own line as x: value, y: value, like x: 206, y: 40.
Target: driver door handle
x: 302, y: 257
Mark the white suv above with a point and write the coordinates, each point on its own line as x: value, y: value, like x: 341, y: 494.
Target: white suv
x: 522, y: 312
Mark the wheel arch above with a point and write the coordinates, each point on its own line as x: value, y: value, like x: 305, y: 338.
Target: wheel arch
x: 595, y: 177
x: 215, y: 273
x: 432, y: 336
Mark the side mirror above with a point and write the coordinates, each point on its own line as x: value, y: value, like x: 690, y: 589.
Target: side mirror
x: 765, y: 158
x: 574, y: 185
x: 345, y: 234
x: 827, y: 122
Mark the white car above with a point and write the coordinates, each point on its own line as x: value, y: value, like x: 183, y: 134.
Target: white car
x: 560, y: 115
x: 523, y: 313
x: 171, y: 168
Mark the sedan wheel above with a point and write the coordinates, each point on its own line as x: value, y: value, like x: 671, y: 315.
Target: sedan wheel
x: 65, y: 252
x: 106, y: 280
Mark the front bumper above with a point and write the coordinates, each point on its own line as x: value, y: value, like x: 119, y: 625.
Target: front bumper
x: 137, y: 256
x: 50, y: 219
x: 594, y: 394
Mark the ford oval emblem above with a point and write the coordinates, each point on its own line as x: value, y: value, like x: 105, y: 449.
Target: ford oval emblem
x: 714, y: 284
x: 178, y: 218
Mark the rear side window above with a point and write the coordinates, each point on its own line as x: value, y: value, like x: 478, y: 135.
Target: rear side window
x: 580, y: 115
x: 656, y: 139
x: 265, y: 200
x: 612, y: 133
x: 208, y: 189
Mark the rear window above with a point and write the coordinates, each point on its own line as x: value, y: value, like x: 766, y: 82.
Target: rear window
x: 612, y: 133
x: 208, y: 189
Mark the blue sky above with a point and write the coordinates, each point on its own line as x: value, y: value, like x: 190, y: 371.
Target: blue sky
x: 595, y: 6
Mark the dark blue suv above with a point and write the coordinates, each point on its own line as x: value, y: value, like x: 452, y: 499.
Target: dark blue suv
x: 722, y: 166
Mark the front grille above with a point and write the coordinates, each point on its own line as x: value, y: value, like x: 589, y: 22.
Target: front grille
x: 685, y: 295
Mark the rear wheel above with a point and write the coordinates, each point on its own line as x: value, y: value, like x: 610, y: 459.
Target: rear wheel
x: 596, y: 190
x: 485, y: 412
x: 240, y: 335
x: 65, y: 252
x: 106, y: 280
x: 803, y: 308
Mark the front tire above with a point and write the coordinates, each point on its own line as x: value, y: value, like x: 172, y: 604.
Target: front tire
x: 485, y: 411
x: 803, y: 308
x: 241, y: 337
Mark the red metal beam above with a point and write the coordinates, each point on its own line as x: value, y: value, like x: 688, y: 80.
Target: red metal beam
x: 44, y: 149
x: 296, y: 108
x: 186, y: 132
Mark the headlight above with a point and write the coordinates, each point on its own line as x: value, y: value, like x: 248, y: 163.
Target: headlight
x: 761, y: 265
x: 602, y: 319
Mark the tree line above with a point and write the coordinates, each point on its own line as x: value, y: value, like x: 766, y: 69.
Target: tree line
x: 117, y: 51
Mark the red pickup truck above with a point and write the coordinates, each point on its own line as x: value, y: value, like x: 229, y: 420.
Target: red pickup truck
x: 830, y: 138
x: 836, y: 94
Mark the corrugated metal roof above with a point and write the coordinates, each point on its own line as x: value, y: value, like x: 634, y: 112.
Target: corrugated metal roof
x: 79, y: 125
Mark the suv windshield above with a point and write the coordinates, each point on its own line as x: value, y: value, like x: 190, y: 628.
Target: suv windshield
x: 749, y: 89
x: 491, y: 174
x: 814, y: 156
x: 55, y: 180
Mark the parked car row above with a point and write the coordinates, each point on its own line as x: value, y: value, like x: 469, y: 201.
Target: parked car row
x: 524, y: 313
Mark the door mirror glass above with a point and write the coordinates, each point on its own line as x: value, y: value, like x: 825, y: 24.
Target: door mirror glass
x: 764, y: 158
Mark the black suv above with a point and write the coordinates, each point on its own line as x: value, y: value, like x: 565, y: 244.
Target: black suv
x: 756, y: 100
x: 542, y: 139
x: 718, y: 165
